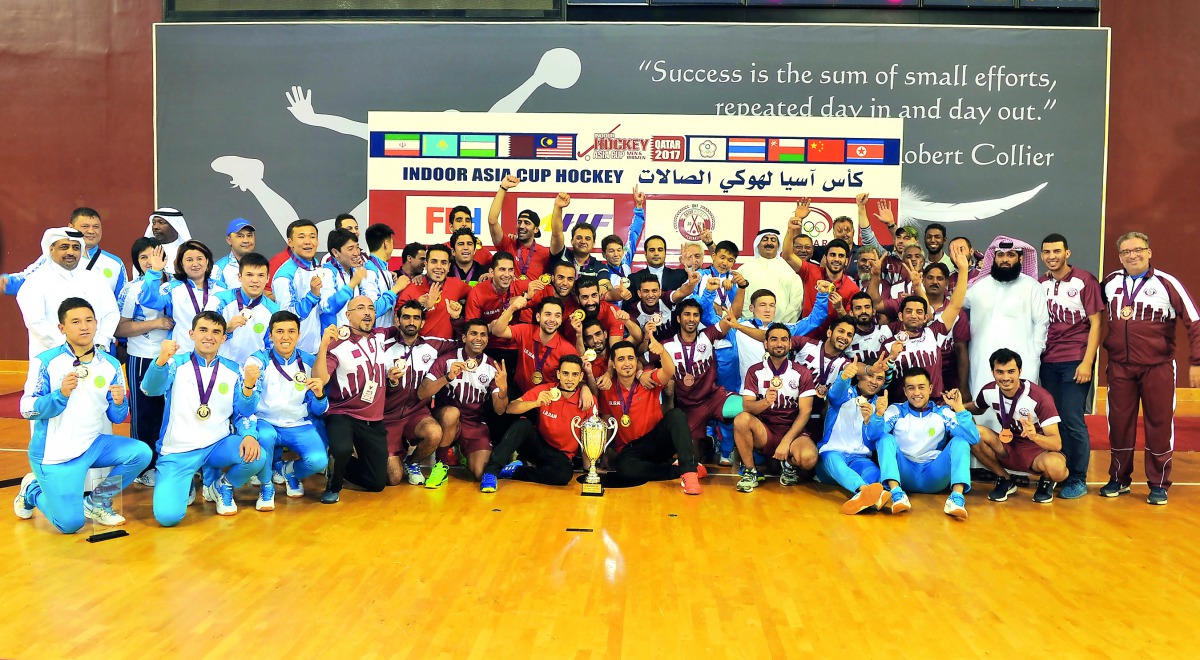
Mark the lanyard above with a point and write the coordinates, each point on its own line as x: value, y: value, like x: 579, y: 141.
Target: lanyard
x: 205, y: 391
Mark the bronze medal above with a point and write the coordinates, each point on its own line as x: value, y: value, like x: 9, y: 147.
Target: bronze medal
x: 689, y: 380
x: 472, y: 364
x: 344, y: 332
x: 1006, y: 436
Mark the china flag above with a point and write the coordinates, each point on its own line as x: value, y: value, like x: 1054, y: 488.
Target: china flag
x: 826, y: 151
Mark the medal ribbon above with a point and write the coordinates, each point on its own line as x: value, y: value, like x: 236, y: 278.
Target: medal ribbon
x: 279, y: 367
x: 823, y: 370
x: 300, y: 262
x: 1126, y: 297
x: 627, y: 404
x: 192, y: 294
x: 387, y: 274
x: 780, y: 371
x: 1006, y: 418
x: 722, y: 294
x: 688, y: 357
x: 242, y: 305
x: 538, y: 362
x: 205, y: 391
x: 79, y: 358
x: 523, y: 264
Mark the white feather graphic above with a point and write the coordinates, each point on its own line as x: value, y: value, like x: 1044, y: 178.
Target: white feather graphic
x: 914, y: 207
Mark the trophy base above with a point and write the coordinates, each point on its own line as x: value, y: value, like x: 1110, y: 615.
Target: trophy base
x: 592, y: 490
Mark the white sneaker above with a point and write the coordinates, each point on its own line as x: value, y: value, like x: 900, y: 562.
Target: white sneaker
x: 210, y: 493
x: 102, y: 513
x: 23, y: 511
x: 413, y: 470
x: 191, y: 495
x: 147, y: 478
x: 278, y: 478
x: 255, y: 481
x: 223, y: 490
x: 266, y: 498
x: 295, y: 487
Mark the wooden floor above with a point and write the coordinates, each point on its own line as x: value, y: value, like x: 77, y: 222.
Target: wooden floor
x: 456, y: 574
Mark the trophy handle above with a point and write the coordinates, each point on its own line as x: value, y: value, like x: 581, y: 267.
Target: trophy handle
x: 612, y: 431
x: 574, y: 429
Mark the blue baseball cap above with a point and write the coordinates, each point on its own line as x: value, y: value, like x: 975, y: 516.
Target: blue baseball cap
x: 238, y: 224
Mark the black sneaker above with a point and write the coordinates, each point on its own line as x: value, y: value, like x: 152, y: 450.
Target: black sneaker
x: 1005, y: 486
x: 1113, y: 489
x: 1157, y: 495
x: 1045, y: 491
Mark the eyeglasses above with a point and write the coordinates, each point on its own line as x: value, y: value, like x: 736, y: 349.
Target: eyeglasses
x: 1131, y: 252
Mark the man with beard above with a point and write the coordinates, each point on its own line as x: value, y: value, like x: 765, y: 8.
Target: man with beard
x: 440, y: 295
x: 487, y: 302
x: 297, y: 284
x: 1072, y: 340
x: 579, y: 253
x: 922, y: 339
x: 825, y: 359
x: 649, y: 303
x: 464, y: 381
x: 540, y: 346
x: 106, y: 264
x: 588, y: 302
x: 1022, y: 434
x: 1007, y: 309
x: 869, y: 337
x: 964, y: 243
x: 768, y: 269
x: 561, y: 279
x: 352, y: 362
x: 546, y: 451
x: 406, y: 416
x: 777, y: 399
x: 464, y: 266
x: 239, y: 236
x: 592, y: 345
x: 892, y: 267
x: 170, y: 229
x: 647, y: 439
x: 935, y: 244
x: 843, y: 229
x: 59, y: 278
x: 837, y: 257
x: 413, y: 261
x: 696, y: 389
x: 914, y: 262
x: 956, y: 357
x: 676, y: 283
x: 857, y: 402
x: 532, y: 259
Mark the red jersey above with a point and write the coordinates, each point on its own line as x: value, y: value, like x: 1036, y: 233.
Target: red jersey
x: 554, y: 418
x: 844, y: 286
x: 607, y: 315
x: 1070, y: 301
x: 644, y: 409
x: 484, y: 302
x: 471, y: 391
x: 531, y: 261
x: 698, y: 359
x: 536, y: 356
x: 357, y: 368
x: 437, y: 318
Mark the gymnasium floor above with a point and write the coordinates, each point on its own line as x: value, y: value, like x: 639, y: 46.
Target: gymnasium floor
x: 655, y: 574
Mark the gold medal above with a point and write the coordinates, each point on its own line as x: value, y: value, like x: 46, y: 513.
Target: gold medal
x: 555, y: 394
x: 523, y: 277
x: 537, y: 378
x: 656, y: 319
x: 689, y: 380
x: 625, y: 421
x: 1127, y: 312
x: 81, y: 371
x: 344, y: 332
x: 589, y: 355
x: 776, y: 383
x: 544, y: 279
x: 577, y: 315
x: 203, y: 412
x: 472, y: 364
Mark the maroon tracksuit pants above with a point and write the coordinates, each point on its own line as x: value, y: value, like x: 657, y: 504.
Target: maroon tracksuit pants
x: 1153, y: 387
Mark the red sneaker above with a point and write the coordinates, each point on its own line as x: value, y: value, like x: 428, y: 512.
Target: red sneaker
x: 701, y: 471
x: 691, y: 483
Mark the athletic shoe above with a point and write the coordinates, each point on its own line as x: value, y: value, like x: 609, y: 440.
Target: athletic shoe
x: 1073, y: 488
x: 885, y: 498
x: 691, y: 483
x: 748, y: 482
x: 761, y: 476
x: 1113, y: 489
x: 1157, y: 495
x: 1005, y: 486
x: 956, y: 506
x: 102, y: 513
x: 487, y: 484
x: 254, y: 480
x: 1045, y: 491
x: 788, y: 474
x: 508, y: 470
x: 900, y: 502
x: 210, y: 492
x: 266, y: 498
x: 413, y: 470
x: 277, y: 476
x: 147, y: 478
x: 191, y: 494
x: 224, y: 493
x: 701, y: 471
x: 330, y: 497
x: 20, y: 506
x: 725, y: 460
x: 867, y: 497
x: 438, y: 476
x: 295, y: 488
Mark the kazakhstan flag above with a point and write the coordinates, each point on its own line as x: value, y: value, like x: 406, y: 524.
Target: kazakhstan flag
x: 439, y: 145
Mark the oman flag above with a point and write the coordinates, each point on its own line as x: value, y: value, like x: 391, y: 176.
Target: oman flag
x: 785, y: 150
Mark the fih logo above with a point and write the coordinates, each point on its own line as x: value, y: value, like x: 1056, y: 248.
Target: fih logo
x: 440, y: 215
x: 596, y: 221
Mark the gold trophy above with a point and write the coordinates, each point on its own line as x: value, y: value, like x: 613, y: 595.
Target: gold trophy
x: 594, y: 436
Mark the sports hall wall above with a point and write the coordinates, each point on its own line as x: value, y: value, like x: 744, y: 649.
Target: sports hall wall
x: 78, y: 117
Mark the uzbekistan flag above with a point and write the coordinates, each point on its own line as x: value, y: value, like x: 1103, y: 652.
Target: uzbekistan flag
x: 555, y: 146
x: 477, y: 146
x: 826, y: 151
x: 785, y: 150
x: 439, y: 145
x: 865, y: 151
x: 402, y: 144
x: 747, y: 149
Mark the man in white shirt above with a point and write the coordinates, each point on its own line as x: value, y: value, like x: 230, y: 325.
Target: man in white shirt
x: 769, y: 270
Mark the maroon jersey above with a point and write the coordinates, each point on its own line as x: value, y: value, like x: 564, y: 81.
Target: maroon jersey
x: 1071, y: 301
x: 924, y: 351
x: 797, y: 383
x: 417, y: 360
x: 1148, y: 336
x: 811, y: 353
x: 697, y: 359
x: 484, y: 302
x: 471, y: 391
x: 358, y: 376
x: 1031, y: 400
x: 869, y: 344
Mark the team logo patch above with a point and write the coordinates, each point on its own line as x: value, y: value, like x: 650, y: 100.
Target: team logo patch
x: 483, y: 379
x: 693, y: 219
x: 99, y: 381
x: 1072, y: 293
x: 1024, y: 412
x: 932, y: 432
x: 794, y: 383
x: 702, y: 348
x: 426, y: 358
x: 223, y: 388
x: 108, y: 272
x: 1151, y: 291
x: 259, y: 328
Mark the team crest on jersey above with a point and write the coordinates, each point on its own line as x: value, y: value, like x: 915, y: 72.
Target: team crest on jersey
x: 483, y: 379
x: 702, y: 348
x: 1151, y: 291
x: 794, y: 382
x: 1071, y: 293
x: 426, y: 358
x: 1024, y: 412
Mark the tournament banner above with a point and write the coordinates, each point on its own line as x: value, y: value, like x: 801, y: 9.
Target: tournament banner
x: 732, y: 176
